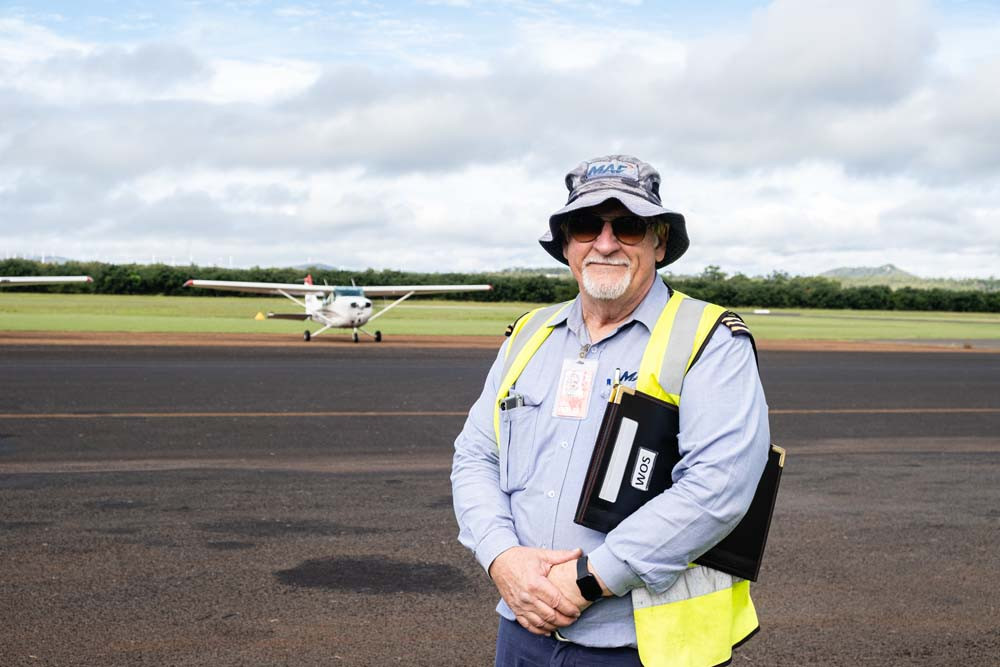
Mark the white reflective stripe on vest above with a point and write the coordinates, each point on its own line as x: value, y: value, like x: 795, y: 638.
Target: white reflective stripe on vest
x: 694, y: 582
x: 698, y: 620
x: 682, y: 338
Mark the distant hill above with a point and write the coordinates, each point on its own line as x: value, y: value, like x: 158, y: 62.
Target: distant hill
x: 886, y: 272
x: 895, y: 277
x: 321, y: 267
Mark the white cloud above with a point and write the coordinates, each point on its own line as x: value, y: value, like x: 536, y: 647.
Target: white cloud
x: 22, y: 43
x: 811, y: 135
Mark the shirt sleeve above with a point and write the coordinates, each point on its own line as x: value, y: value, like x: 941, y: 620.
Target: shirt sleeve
x: 486, y: 525
x: 724, y: 441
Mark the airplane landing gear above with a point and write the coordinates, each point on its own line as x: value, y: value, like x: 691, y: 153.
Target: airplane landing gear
x: 377, y: 335
x: 307, y: 336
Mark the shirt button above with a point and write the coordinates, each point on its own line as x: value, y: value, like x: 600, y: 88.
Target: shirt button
x: 564, y: 444
x: 551, y: 494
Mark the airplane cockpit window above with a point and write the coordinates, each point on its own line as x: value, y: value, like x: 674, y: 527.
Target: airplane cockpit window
x: 348, y: 291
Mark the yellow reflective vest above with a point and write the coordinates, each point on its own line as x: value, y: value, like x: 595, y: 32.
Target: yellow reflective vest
x: 706, y: 613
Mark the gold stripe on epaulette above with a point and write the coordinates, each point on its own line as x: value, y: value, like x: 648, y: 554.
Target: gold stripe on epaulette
x: 735, y: 324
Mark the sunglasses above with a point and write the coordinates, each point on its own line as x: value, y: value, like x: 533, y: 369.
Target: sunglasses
x: 585, y: 227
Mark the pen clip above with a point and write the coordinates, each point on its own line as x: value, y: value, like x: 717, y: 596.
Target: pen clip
x: 512, y: 401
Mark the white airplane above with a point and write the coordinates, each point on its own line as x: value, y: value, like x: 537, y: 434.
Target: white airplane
x: 16, y: 281
x: 340, y: 307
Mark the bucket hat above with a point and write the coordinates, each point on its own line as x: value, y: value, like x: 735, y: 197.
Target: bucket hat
x: 634, y: 183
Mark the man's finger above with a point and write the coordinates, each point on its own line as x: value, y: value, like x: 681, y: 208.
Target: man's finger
x: 553, y: 618
x: 548, y: 594
x: 560, y: 615
x: 561, y: 605
x: 556, y: 556
x: 531, y: 622
x: 523, y: 622
x: 538, y: 612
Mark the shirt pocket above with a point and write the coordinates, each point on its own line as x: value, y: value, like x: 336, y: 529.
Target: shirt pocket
x: 517, y: 445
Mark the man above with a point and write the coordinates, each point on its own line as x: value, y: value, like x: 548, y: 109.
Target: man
x: 571, y: 595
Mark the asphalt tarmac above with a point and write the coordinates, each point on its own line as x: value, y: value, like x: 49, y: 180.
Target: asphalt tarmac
x: 291, y: 506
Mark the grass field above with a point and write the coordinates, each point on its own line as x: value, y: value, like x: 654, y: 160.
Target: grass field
x: 98, y: 312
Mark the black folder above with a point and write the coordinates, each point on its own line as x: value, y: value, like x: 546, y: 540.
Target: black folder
x: 635, y: 453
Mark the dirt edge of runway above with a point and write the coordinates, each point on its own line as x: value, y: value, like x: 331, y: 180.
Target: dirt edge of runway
x: 117, y: 338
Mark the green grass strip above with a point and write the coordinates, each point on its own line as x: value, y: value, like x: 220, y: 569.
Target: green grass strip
x: 100, y: 312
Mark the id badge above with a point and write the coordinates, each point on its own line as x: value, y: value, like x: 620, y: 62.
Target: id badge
x: 576, y: 384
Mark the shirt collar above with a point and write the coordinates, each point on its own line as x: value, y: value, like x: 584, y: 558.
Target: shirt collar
x: 647, y: 312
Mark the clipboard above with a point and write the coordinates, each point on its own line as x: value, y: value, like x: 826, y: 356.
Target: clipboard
x: 633, y: 458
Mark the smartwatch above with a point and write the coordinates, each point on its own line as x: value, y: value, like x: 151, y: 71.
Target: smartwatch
x: 586, y: 582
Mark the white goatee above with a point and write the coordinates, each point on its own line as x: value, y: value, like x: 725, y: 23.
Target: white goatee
x: 603, y: 288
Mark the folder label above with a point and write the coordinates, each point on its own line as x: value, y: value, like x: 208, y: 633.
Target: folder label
x: 643, y: 470
x: 619, y: 460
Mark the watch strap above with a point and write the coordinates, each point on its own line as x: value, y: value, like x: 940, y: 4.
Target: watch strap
x: 587, y: 582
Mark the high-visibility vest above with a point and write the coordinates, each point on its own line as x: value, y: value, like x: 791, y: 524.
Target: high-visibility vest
x: 706, y: 613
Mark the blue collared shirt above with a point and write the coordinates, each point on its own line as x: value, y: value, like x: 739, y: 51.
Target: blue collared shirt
x: 525, y: 491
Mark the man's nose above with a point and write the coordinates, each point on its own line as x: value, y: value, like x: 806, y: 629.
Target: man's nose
x: 606, y: 242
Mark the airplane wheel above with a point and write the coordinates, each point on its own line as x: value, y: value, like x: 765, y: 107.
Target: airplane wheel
x: 307, y: 336
x: 378, y: 336
x: 355, y: 338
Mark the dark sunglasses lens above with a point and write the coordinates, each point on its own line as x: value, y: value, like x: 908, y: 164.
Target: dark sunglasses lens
x: 629, y: 229
x: 585, y: 228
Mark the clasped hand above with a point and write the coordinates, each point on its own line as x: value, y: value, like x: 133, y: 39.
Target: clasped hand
x: 539, y: 585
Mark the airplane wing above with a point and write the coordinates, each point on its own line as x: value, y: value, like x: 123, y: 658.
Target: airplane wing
x: 288, y: 316
x: 395, y: 290
x: 282, y: 289
x: 43, y: 280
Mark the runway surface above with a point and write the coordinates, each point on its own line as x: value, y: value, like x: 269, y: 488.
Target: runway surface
x: 291, y: 506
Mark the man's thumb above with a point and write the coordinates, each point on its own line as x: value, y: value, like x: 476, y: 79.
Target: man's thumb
x: 557, y: 556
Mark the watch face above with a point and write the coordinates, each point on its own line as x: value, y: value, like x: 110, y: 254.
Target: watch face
x: 589, y: 587
x: 586, y: 582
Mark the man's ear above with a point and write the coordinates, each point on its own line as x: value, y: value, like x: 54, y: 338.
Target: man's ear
x: 661, y: 246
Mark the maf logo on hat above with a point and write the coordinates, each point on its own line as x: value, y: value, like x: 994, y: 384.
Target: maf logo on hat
x: 612, y: 169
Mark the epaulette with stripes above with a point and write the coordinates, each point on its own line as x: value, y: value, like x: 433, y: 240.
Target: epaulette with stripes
x: 510, y: 327
x: 735, y: 323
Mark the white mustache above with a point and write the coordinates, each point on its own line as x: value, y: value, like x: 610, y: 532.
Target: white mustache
x: 613, y: 261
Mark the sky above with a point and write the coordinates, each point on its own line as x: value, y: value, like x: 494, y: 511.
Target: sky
x: 794, y: 136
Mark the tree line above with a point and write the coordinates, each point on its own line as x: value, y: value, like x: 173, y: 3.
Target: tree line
x: 777, y: 290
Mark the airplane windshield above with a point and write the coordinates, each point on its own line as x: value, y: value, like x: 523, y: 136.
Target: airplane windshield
x: 348, y: 291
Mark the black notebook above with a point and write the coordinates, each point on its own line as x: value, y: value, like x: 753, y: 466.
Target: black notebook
x: 635, y: 453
